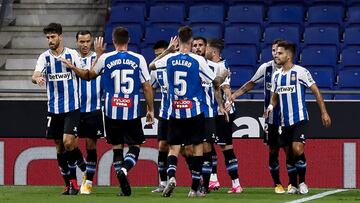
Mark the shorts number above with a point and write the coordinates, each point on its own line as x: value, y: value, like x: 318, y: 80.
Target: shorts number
x: 48, y: 121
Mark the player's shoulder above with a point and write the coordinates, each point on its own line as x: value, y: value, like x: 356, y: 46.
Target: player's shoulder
x: 136, y: 55
x: 71, y: 51
x: 197, y: 57
x: 300, y: 69
x: 267, y: 64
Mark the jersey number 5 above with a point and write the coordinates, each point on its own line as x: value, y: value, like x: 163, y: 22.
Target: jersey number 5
x: 180, y: 84
x: 123, y: 81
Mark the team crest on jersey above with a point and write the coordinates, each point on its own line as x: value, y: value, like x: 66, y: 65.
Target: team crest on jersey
x: 268, y: 85
x: 293, y: 77
x: 121, y: 102
x: 182, y: 104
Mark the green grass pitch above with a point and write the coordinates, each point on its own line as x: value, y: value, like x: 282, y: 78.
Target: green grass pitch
x: 51, y: 194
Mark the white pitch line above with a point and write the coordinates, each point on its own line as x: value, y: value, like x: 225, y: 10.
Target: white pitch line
x: 317, y: 196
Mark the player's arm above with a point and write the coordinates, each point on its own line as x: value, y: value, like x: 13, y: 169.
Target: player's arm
x: 171, y: 48
x: 37, y: 78
x: 326, y: 120
x: 219, y: 100
x: 219, y: 79
x: 149, y: 98
x: 249, y: 85
x: 273, y: 103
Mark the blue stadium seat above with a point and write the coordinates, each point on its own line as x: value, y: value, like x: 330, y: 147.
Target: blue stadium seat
x: 319, y: 56
x: 291, y: 33
x: 167, y: 14
x: 315, y: 2
x: 351, y: 35
x: 322, y: 35
x: 240, y: 55
x: 135, y: 32
x: 349, y: 79
x: 127, y: 13
x: 208, y: 31
x: 350, y: 57
x: 353, y: 16
x: 326, y: 14
x: 239, y: 76
x: 286, y: 13
x: 246, y: 13
x: 266, y: 54
x: 243, y: 34
x: 155, y: 33
x: 148, y: 53
x: 324, y: 77
x: 206, y: 13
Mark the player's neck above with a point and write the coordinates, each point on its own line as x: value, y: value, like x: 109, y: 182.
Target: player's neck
x: 287, y: 66
x: 58, y: 51
x: 185, y: 48
x: 84, y: 55
x: 216, y: 59
x: 121, y: 47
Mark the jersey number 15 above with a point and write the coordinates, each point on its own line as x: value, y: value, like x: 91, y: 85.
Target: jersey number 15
x: 123, y: 81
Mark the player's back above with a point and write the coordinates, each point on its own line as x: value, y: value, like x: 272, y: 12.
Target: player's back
x: 122, y: 78
x: 185, y: 88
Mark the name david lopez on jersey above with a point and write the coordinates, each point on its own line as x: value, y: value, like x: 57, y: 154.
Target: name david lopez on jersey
x: 122, y: 61
x: 59, y: 76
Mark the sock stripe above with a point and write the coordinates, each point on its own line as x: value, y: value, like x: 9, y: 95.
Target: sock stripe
x: 300, y: 165
x: 232, y: 167
x: 131, y: 159
x: 274, y: 168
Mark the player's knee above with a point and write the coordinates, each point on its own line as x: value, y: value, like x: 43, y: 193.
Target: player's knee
x: 90, y: 144
x: 163, y: 146
x: 207, y: 147
x: 273, y: 160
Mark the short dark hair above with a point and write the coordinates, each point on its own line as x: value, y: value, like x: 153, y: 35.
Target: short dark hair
x: 83, y: 32
x: 185, y: 34
x: 53, y: 28
x: 277, y: 41
x: 161, y: 44
x: 120, y: 35
x: 200, y: 38
x: 288, y: 46
x: 216, y: 43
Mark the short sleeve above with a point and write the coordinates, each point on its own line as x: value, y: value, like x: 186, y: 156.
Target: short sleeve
x: 205, y: 73
x: 306, y: 78
x: 162, y: 63
x: 144, y: 76
x: 273, y: 82
x: 259, y: 75
x: 223, y: 67
x: 41, y: 63
x: 153, y: 81
x: 77, y: 60
x: 100, y: 65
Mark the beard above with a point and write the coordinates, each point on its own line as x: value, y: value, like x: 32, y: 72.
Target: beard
x: 53, y: 46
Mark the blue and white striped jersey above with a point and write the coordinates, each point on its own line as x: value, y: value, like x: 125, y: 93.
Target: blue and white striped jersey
x: 123, y: 73
x: 61, y: 82
x: 186, y: 72
x: 290, y: 86
x: 89, y: 91
x: 264, y: 74
x: 159, y: 79
x: 210, y: 108
x: 222, y: 65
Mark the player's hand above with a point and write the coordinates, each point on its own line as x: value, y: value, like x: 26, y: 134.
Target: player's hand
x: 225, y: 113
x: 174, y: 44
x: 67, y: 62
x: 99, y: 46
x: 228, y: 103
x: 40, y: 81
x: 326, y: 120
x: 150, y: 117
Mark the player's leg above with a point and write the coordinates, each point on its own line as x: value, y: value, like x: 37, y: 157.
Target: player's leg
x: 286, y: 136
x: 163, y: 154
x: 187, y: 152
x: 224, y: 132
x: 73, y: 153
x: 274, y: 166
x: 209, y: 138
x: 298, y: 145
x: 214, y: 183
x: 91, y: 127
x: 55, y: 132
